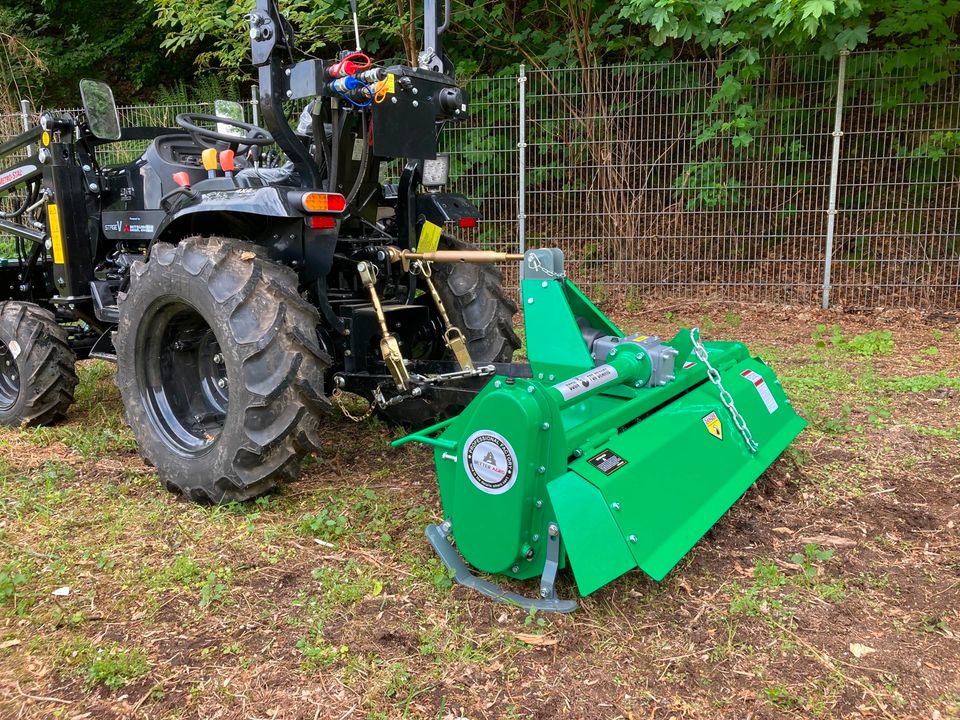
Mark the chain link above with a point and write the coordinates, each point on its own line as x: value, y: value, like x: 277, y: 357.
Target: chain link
x: 726, y: 398
x: 338, y: 400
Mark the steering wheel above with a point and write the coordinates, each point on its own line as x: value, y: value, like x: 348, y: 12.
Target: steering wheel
x: 205, y: 137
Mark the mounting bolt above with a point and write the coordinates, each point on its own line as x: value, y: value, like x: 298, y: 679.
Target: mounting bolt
x: 539, y: 504
x: 615, y: 506
x: 515, y: 569
x: 93, y: 187
x: 578, y: 453
x: 86, y: 168
x: 545, y: 426
x: 222, y: 383
x: 445, y: 527
x: 218, y: 359
x: 633, y: 539
x: 553, y: 530
x: 415, y: 103
x: 287, y: 72
x: 414, y: 91
x: 61, y: 282
x: 535, y: 537
x: 541, y: 470
x: 529, y: 301
x: 393, y: 100
x: 417, y: 392
x: 531, y: 389
x: 289, y: 93
x: 497, y: 384
x: 544, y: 592
x: 347, y: 353
x: 543, y: 284
x: 178, y: 346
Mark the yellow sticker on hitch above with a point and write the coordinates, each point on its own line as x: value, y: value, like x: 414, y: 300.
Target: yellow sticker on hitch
x: 429, y: 238
x: 713, y: 425
x: 56, y: 239
x: 390, y: 84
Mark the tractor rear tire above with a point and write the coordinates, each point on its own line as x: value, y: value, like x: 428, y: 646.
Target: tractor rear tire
x: 474, y: 298
x: 219, y: 369
x: 37, y: 367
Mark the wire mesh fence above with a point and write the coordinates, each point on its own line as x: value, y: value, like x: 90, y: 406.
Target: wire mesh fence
x: 656, y: 181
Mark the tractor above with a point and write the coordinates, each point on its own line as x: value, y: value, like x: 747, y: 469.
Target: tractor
x: 242, y: 278
x: 240, y: 275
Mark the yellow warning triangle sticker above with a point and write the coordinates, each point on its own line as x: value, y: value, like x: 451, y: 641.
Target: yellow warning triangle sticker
x: 713, y: 425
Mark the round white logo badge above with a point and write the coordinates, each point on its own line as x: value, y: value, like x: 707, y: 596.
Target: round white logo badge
x: 489, y: 462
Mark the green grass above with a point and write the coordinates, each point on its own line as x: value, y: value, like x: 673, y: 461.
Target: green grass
x: 327, y: 593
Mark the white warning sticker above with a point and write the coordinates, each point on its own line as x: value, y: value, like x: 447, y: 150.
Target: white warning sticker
x: 584, y: 382
x: 761, y: 385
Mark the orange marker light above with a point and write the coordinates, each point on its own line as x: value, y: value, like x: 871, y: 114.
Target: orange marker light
x: 323, y: 202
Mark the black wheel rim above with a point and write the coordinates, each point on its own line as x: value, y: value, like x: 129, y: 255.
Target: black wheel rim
x: 9, y: 378
x: 183, y: 378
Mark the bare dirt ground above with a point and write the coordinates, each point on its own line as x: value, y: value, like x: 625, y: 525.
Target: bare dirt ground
x: 832, y: 589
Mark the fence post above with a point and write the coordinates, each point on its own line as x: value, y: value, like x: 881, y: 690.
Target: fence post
x: 255, y: 104
x: 522, y: 163
x: 25, y: 120
x: 834, y: 176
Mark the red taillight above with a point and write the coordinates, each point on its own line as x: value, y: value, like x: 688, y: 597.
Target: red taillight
x: 321, y: 222
x: 467, y: 222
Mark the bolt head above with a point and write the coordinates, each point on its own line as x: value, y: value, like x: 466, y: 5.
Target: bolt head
x: 93, y: 187
x: 289, y: 93
x: 632, y: 539
x: 553, y: 530
x: 415, y: 103
x: 529, y: 301
x: 545, y: 426
x: 416, y: 392
x: 531, y: 389
x: 539, y: 503
x: 218, y: 359
x: 222, y: 383
x: 542, y: 470
x: 515, y: 568
x: 615, y: 505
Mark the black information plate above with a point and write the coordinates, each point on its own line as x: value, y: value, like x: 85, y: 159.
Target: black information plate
x: 607, y: 462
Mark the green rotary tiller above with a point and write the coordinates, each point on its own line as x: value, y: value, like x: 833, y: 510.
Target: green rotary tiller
x: 616, y: 452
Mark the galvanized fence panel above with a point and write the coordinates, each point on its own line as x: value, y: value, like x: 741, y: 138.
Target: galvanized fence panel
x: 898, y: 221
x: 625, y: 169
x: 622, y: 177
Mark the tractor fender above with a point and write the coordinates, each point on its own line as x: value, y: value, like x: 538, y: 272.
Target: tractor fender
x: 264, y: 216
x: 246, y: 205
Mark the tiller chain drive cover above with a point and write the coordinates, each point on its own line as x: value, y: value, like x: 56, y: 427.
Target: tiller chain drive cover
x: 617, y: 452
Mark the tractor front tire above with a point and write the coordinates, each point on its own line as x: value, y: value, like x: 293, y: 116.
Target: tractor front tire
x: 219, y: 369
x: 37, y: 367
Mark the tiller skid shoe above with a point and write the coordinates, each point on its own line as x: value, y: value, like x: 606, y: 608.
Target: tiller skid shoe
x: 619, y: 452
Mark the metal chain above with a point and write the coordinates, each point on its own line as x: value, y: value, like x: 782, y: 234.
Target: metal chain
x: 338, y: 400
x: 726, y: 398
x: 533, y: 262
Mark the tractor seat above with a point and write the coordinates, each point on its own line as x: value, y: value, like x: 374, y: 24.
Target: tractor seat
x: 261, y: 177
